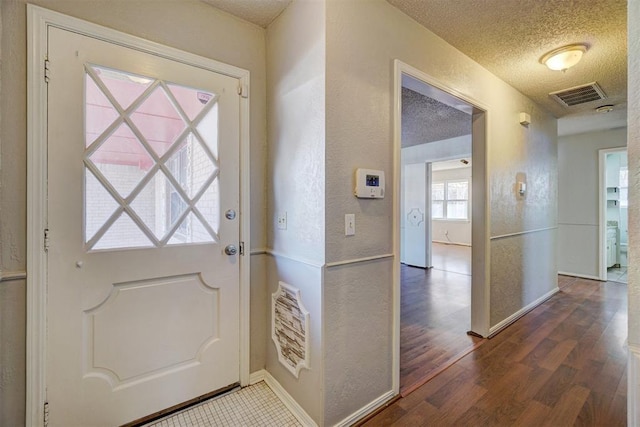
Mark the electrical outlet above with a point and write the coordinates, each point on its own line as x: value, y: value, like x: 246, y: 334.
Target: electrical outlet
x: 282, y: 221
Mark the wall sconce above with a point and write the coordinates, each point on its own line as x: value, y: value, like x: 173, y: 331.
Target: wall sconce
x: 564, y: 57
x: 522, y: 187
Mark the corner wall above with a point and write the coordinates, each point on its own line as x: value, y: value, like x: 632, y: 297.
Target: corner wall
x: 296, y: 183
x: 363, y: 40
x: 189, y: 25
x: 578, y: 210
x: 633, y: 147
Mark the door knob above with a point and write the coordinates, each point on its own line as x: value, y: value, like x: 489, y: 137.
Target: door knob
x: 230, y: 250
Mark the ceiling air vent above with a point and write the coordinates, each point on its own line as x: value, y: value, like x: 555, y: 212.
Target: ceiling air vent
x: 579, y: 94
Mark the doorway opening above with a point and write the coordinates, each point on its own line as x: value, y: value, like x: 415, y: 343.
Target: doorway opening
x: 440, y: 138
x: 614, y: 234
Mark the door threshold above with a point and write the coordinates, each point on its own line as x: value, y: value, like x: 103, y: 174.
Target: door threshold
x: 184, y: 405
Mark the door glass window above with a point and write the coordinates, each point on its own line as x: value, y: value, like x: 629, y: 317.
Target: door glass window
x: 151, y: 166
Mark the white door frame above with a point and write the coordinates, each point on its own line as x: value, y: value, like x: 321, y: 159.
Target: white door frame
x: 602, y: 208
x: 480, y: 277
x: 38, y: 21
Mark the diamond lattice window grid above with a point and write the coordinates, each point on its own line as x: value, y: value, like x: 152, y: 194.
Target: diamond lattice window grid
x: 151, y: 168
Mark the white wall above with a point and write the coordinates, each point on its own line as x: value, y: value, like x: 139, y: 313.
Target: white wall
x: 448, y: 149
x: 363, y: 40
x: 189, y: 25
x: 415, y: 213
x: 578, y: 211
x: 459, y: 230
x: 296, y: 184
x: 633, y: 138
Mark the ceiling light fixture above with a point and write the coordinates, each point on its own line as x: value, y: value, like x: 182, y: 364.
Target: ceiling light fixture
x: 605, y: 108
x: 564, y: 57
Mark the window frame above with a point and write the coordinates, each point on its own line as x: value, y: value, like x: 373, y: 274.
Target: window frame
x: 446, y: 200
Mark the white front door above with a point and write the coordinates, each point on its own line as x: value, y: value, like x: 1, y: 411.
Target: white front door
x: 143, y: 165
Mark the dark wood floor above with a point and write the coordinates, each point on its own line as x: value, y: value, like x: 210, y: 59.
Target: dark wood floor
x: 435, y: 315
x: 562, y: 364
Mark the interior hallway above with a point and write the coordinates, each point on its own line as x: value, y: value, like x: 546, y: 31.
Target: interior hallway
x: 435, y: 315
x: 564, y: 363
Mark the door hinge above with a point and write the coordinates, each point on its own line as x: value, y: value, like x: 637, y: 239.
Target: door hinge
x: 46, y: 71
x: 243, y: 91
x: 46, y: 239
x: 46, y: 414
x: 241, y: 248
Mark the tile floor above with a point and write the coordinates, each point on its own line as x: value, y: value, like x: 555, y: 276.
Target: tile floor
x: 617, y: 274
x: 255, y: 405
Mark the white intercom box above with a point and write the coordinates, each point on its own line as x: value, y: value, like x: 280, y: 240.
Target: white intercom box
x: 369, y: 184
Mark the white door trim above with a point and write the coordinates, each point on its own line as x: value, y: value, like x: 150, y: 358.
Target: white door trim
x: 602, y: 209
x: 480, y: 210
x: 38, y: 21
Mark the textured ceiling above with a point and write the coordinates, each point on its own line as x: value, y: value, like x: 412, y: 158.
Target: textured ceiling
x: 508, y: 37
x: 260, y: 12
x: 426, y: 120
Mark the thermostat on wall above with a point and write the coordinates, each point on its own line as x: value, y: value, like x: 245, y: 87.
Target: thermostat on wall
x: 369, y: 184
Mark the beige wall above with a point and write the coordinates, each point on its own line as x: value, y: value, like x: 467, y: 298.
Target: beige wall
x: 296, y: 121
x: 578, y: 210
x: 633, y: 147
x: 189, y: 25
x: 363, y: 39
x: 296, y: 183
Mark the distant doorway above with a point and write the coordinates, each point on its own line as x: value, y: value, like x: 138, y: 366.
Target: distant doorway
x: 436, y: 307
x: 614, y: 207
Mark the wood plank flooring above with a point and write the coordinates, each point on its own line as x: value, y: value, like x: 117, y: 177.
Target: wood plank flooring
x: 562, y: 364
x: 435, y: 315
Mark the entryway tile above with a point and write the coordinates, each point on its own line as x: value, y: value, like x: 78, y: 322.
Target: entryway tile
x: 256, y: 405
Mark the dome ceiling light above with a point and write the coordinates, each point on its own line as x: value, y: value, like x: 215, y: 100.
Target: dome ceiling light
x: 605, y: 108
x: 564, y: 57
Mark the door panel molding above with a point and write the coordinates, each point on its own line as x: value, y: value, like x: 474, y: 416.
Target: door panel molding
x: 39, y: 20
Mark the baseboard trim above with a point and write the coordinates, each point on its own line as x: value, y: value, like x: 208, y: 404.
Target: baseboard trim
x: 493, y: 331
x: 256, y: 377
x: 366, y: 410
x: 633, y: 386
x: 291, y: 404
x: 582, y: 276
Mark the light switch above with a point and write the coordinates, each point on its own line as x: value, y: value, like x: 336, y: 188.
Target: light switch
x: 349, y: 224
